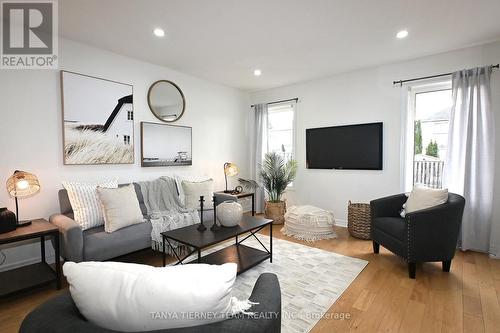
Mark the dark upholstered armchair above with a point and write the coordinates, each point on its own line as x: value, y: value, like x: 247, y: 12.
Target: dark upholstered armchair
x: 422, y: 236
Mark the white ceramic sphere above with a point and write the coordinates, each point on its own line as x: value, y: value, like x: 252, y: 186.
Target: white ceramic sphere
x: 229, y: 213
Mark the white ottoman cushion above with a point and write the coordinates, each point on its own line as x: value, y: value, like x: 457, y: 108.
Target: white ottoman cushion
x: 309, y: 223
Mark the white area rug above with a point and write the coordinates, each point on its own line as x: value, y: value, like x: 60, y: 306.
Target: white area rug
x: 311, y: 279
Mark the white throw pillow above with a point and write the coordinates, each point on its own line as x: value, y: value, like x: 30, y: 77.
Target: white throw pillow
x: 85, y: 204
x: 193, y: 191
x: 132, y: 297
x: 422, y: 197
x: 189, y: 178
x: 120, y: 207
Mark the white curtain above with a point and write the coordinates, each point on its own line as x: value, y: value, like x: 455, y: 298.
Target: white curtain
x: 259, y: 147
x: 469, y: 166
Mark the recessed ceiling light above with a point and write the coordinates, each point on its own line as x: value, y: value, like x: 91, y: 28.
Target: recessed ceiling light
x: 257, y: 72
x: 402, y: 34
x: 159, y: 32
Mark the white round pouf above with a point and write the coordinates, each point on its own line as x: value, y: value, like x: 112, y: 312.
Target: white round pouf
x: 309, y: 223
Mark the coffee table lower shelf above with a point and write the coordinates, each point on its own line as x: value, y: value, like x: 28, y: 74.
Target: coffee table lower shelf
x: 244, y: 256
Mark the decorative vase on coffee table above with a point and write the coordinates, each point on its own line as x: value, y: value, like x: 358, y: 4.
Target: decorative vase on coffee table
x: 275, y: 211
x: 229, y: 213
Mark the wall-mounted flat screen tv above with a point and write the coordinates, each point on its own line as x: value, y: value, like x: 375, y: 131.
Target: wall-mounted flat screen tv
x: 345, y: 147
x: 165, y: 145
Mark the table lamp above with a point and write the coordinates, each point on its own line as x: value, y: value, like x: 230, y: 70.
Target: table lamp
x: 20, y: 185
x: 231, y: 170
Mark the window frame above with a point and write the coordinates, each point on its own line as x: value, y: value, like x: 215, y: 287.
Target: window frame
x: 293, y: 106
x: 409, y: 139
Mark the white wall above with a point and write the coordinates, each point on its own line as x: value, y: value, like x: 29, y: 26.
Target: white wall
x: 31, y: 135
x: 368, y: 96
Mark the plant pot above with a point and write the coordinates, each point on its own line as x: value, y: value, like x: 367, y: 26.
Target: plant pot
x: 275, y: 211
x: 229, y: 213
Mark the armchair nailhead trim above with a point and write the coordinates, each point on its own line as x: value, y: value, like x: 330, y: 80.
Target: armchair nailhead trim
x: 409, y: 239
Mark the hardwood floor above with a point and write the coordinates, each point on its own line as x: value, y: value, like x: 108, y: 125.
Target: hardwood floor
x: 381, y: 299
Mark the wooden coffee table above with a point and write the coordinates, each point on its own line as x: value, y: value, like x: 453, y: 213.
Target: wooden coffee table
x: 245, y: 256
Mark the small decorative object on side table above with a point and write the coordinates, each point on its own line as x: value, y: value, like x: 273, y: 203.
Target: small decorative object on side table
x: 27, y: 277
x: 242, y: 195
x: 8, y: 220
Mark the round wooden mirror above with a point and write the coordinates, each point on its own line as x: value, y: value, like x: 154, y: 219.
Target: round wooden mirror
x: 166, y: 101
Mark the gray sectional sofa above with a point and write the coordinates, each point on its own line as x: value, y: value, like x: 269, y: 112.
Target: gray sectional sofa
x: 95, y: 244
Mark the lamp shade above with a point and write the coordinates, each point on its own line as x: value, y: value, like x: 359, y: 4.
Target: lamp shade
x: 231, y: 169
x: 22, y: 184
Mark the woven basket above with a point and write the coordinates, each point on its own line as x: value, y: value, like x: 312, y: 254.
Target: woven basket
x: 359, y: 220
x: 275, y: 211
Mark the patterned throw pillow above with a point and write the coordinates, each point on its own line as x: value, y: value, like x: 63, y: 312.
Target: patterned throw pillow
x: 85, y: 203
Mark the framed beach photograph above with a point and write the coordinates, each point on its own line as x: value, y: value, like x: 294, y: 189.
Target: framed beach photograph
x: 165, y: 145
x: 98, y: 120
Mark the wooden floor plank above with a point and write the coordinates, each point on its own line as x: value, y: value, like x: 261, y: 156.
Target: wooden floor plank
x: 491, y: 309
x: 483, y: 268
x: 369, y: 320
x: 434, y: 309
x: 413, y: 316
x: 394, y: 314
x: 453, y: 313
x: 473, y: 324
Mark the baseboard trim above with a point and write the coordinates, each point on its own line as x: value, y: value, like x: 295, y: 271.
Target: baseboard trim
x: 341, y: 223
x: 494, y: 252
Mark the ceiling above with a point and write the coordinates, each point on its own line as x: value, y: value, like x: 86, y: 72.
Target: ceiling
x: 289, y: 40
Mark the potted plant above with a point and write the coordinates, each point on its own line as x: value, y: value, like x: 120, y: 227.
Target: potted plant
x: 276, y: 175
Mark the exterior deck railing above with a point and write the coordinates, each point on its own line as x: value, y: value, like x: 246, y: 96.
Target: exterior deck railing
x: 428, y: 173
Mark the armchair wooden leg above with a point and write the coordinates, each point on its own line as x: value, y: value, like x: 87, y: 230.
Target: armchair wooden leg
x: 376, y: 247
x: 412, y: 269
x: 446, y: 265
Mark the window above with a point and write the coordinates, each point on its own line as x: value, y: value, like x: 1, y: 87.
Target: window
x: 281, y: 130
x: 126, y: 139
x: 427, y: 134
x: 130, y: 115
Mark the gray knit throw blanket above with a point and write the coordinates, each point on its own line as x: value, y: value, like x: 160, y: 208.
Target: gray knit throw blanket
x: 165, y: 211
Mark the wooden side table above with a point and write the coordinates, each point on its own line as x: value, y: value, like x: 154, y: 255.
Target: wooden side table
x: 34, y: 275
x: 243, y: 195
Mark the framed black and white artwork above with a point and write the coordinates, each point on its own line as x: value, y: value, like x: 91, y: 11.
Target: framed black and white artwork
x: 165, y: 145
x: 98, y: 120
